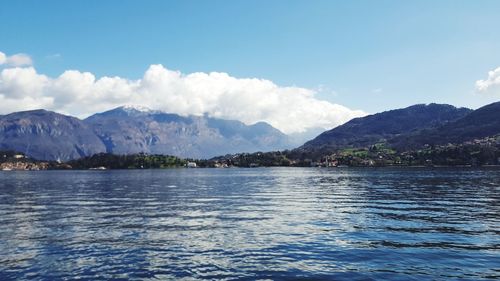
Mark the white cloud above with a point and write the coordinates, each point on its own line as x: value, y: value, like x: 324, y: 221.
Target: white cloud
x: 15, y: 60
x: 3, y: 58
x: 290, y: 109
x: 17, y: 83
x: 490, y: 85
x: 19, y: 60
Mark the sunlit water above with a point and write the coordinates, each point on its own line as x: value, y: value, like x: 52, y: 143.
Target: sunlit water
x: 278, y: 224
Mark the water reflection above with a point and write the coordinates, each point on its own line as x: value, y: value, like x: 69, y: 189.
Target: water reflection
x: 251, y: 224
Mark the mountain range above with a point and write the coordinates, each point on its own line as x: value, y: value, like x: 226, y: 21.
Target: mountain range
x: 48, y: 135
x: 410, y: 128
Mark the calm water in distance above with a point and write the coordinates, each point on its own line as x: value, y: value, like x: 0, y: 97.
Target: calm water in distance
x: 251, y: 224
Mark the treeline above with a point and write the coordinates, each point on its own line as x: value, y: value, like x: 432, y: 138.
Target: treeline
x: 473, y: 154
x: 133, y: 161
x: 249, y: 160
x: 479, y: 152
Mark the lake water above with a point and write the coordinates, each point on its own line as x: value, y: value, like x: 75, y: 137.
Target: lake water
x: 250, y: 224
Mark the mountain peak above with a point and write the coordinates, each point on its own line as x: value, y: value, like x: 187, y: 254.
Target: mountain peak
x: 127, y: 111
x: 136, y: 108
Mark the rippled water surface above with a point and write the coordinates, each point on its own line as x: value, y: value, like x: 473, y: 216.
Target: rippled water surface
x: 278, y: 224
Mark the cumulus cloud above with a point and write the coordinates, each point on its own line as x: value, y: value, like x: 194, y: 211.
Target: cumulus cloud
x: 250, y: 100
x: 15, y: 60
x: 490, y: 85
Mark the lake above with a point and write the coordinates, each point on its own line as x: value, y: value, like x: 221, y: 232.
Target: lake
x: 251, y: 224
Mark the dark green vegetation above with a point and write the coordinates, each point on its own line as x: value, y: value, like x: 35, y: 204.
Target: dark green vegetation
x: 479, y: 152
x: 249, y: 160
x: 11, y: 160
x: 133, y: 161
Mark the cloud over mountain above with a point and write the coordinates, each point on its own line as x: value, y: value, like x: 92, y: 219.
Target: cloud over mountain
x: 490, y: 85
x: 290, y: 109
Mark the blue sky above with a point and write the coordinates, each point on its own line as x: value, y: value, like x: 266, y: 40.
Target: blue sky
x: 368, y: 55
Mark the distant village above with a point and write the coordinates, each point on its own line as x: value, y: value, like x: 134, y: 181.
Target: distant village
x: 478, y: 152
x: 17, y: 162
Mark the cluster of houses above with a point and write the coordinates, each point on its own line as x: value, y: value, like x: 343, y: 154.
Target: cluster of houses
x: 23, y: 166
x: 20, y: 162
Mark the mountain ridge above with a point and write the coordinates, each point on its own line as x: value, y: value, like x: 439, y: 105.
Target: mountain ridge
x: 480, y: 123
x: 131, y: 129
x: 48, y: 135
x: 44, y: 134
x: 363, y: 131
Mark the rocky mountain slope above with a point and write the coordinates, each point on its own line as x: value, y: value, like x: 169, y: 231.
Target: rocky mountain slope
x: 48, y: 135
x: 384, y: 126
x: 127, y: 130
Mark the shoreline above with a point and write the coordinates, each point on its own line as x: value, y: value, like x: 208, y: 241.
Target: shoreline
x: 264, y: 167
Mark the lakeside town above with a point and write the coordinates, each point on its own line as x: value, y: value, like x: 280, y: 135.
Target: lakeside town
x: 478, y: 152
